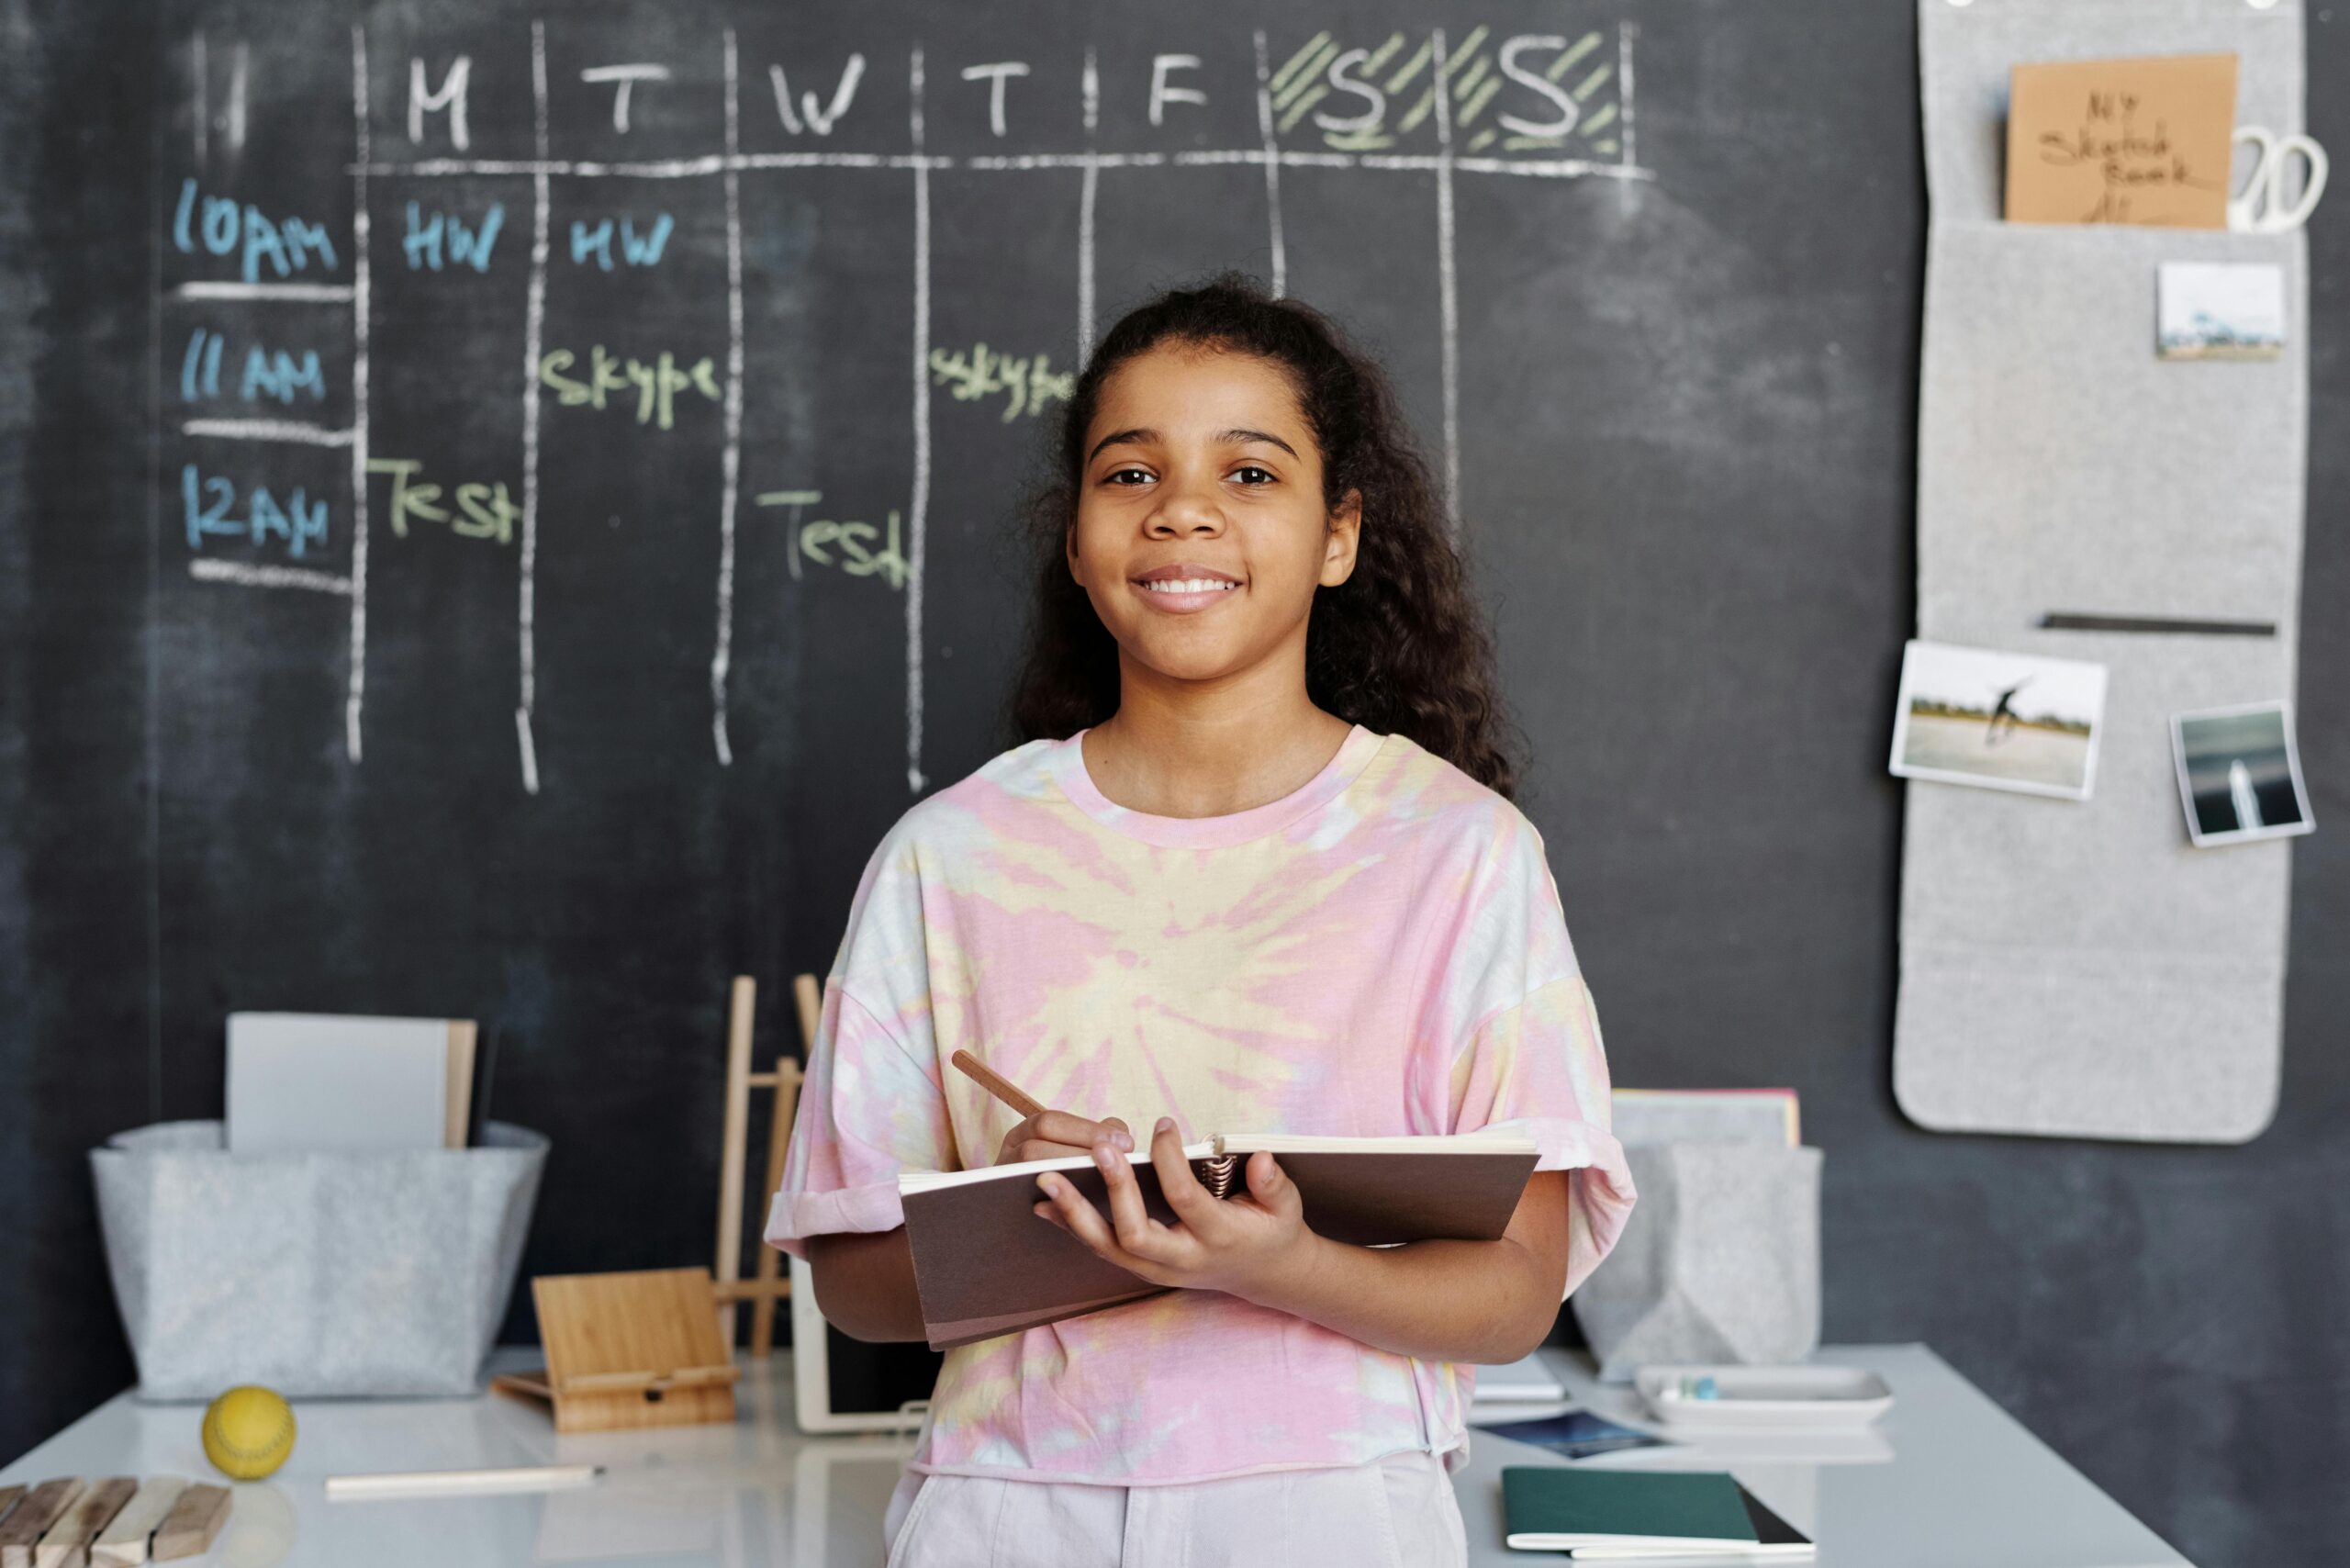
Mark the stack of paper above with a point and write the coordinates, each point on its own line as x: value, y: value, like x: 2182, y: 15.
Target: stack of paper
x: 302, y: 1081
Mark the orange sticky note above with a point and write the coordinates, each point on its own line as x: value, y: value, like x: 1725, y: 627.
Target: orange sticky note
x: 2145, y: 140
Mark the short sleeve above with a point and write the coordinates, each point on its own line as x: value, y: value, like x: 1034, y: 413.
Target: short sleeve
x: 1536, y: 1068
x: 872, y: 1105
x: 867, y: 1111
x: 1522, y: 1037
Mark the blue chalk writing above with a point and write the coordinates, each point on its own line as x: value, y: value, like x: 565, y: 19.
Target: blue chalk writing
x: 200, y: 366
x: 280, y: 376
x: 269, y: 373
x: 208, y: 500
x: 428, y: 239
x: 638, y: 250
x: 225, y: 227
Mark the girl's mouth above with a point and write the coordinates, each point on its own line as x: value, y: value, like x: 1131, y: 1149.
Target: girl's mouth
x: 1185, y: 596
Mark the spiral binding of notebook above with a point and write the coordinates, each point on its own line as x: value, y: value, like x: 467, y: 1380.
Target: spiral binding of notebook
x: 1221, y: 1172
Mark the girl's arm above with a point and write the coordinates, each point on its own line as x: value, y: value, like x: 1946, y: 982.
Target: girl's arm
x: 1489, y: 1302
x: 864, y: 1280
x: 1459, y: 1301
x: 864, y: 1284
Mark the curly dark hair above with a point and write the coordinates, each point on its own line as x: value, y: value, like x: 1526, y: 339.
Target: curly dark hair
x: 1401, y: 647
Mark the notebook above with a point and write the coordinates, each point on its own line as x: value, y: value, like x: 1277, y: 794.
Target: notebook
x: 1633, y: 1516
x: 307, y: 1081
x: 985, y: 1264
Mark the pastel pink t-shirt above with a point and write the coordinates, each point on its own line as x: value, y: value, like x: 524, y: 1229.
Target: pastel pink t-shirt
x: 1380, y: 952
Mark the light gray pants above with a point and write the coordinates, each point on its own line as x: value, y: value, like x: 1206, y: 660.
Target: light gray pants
x: 1396, y: 1512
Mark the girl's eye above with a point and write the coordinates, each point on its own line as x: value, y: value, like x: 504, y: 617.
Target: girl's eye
x: 1127, y: 476
x: 1249, y: 474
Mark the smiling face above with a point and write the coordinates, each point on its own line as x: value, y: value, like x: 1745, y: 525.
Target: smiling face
x: 1201, y: 530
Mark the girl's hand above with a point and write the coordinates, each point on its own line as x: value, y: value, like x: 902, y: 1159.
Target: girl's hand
x: 1255, y: 1246
x: 1057, y: 1135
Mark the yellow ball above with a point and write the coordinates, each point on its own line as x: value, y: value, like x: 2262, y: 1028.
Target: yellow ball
x: 248, y: 1432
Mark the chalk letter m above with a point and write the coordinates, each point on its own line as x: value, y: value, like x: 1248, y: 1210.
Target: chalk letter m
x: 452, y: 96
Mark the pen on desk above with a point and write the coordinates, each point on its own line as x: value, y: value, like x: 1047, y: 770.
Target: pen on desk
x: 461, y: 1483
x: 996, y: 1084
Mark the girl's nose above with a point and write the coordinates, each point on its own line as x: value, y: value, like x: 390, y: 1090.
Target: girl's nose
x: 1184, y: 511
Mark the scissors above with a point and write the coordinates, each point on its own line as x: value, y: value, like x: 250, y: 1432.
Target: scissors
x: 2259, y: 208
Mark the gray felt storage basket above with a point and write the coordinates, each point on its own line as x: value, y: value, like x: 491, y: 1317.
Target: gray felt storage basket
x: 1718, y: 1262
x: 317, y: 1275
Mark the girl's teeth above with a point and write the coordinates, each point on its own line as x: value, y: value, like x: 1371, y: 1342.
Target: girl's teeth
x: 1189, y: 585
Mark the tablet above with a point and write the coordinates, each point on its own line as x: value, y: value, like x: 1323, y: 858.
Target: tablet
x: 841, y: 1384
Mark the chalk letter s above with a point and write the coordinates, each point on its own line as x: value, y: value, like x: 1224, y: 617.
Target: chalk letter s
x: 1569, y: 110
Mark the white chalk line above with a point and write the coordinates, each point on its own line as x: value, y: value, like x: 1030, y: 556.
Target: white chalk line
x: 1088, y: 191
x: 1625, y: 32
x: 1272, y: 159
x: 240, y: 66
x: 731, y: 457
x: 201, y: 70
x: 288, y: 431
x: 535, y: 313
x: 918, y: 503
x: 1447, y: 289
x: 354, y: 700
x: 321, y: 293
x: 252, y: 575
x: 719, y: 163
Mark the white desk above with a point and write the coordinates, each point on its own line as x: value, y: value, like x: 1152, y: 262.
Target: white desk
x: 1954, y: 1483
x: 1946, y: 1479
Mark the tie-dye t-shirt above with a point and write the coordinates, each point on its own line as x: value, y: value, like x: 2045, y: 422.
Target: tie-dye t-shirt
x: 1380, y: 952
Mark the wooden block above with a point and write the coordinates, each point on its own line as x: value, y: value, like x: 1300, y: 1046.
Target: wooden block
x: 9, y: 1496
x: 123, y: 1544
x: 67, y: 1544
x: 457, y: 1117
x: 194, y: 1523
x: 633, y: 1349
x: 30, y: 1519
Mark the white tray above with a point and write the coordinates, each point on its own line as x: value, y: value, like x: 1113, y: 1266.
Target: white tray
x: 1748, y: 1398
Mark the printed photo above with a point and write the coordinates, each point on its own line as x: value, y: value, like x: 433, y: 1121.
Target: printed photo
x: 2220, y: 310
x: 1999, y: 720
x: 2240, y: 774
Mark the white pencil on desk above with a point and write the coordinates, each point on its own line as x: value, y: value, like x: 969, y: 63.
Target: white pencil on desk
x: 461, y: 1483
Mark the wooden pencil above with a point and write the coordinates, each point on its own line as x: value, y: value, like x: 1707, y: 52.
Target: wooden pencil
x: 996, y: 1084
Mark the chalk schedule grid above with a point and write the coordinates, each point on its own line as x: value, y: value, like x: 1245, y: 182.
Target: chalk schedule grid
x: 533, y: 283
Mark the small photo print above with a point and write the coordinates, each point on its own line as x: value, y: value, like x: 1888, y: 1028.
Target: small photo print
x: 2220, y: 310
x: 1999, y: 720
x: 2240, y: 774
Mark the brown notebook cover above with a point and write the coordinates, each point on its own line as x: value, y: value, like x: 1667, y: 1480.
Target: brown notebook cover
x: 985, y: 1264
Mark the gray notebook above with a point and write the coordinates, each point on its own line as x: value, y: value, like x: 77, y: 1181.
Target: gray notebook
x: 304, y: 1081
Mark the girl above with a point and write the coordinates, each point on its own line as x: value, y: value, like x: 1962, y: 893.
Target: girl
x: 1255, y: 869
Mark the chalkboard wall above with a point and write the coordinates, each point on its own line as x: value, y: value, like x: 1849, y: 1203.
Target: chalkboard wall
x: 642, y: 539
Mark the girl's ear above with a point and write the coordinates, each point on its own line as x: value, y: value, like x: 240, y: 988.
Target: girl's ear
x: 1338, y: 541
x: 1069, y: 553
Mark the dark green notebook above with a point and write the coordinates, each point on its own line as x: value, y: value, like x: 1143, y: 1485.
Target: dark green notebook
x: 1548, y: 1508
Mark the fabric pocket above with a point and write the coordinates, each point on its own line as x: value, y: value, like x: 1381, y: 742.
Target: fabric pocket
x: 1419, y: 1517
x: 926, y: 1496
